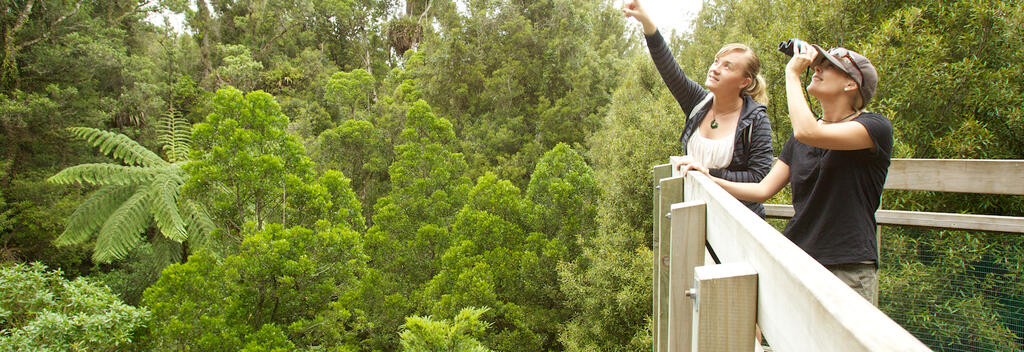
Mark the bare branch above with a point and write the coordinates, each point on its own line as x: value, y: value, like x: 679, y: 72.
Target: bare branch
x: 21, y: 18
x: 51, y: 27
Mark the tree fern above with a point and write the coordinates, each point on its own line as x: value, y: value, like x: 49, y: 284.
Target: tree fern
x: 133, y: 197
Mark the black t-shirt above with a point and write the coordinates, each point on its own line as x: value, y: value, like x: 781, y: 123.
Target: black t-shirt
x: 836, y: 194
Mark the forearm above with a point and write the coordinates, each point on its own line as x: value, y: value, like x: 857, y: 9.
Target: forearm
x: 687, y: 92
x: 745, y: 176
x: 751, y: 192
x: 800, y: 114
x: 649, y: 27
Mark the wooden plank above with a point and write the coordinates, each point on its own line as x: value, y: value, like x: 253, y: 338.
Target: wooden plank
x: 725, y: 307
x: 801, y: 306
x: 671, y: 193
x: 990, y: 223
x: 957, y: 175
x: 783, y: 211
x: 969, y: 222
x: 659, y: 172
x: 687, y: 253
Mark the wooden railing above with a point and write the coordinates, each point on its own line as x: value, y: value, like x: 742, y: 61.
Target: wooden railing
x: 798, y: 304
x: 946, y: 175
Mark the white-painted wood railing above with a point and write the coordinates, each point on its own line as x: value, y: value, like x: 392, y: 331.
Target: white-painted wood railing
x: 800, y: 306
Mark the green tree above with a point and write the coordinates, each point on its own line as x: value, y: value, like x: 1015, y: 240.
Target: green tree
x: 42, y: 311
x: 565, y: 191
x: 284, y: 287
x: 349, y: 91
x: 51, y: 41
x: 247, y: 167
x: 423, y: 334
x: 239, y: 68
x: 495, y: 261
x: 428, y: 186
x: 358, y: 149
x: 410, y: 224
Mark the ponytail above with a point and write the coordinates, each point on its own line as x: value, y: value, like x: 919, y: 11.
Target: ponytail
x: 757, y: 89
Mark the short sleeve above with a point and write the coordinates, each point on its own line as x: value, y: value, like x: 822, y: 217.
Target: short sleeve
x: 880, y: 130
x: 787, y: 151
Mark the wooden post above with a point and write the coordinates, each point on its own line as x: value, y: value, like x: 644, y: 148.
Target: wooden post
x: 671, y: 193
x: 725, y: 307
x: 689, y: 227
x: 659, y: 172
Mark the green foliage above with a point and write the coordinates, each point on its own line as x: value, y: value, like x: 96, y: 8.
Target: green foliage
x: 495, y: 262
x: 608, y: 285
x: 410, y: 224
x: 423, y: 334
x: 347, y: 91
x: 564, y: 189
x: 516, y: 78
x: 428, y: 187
x: 42, y: 311
x: 285, y: 287
x: 132, y: 197
x: 239, y: 68
x: 358, y: 149
x: 246, y: 167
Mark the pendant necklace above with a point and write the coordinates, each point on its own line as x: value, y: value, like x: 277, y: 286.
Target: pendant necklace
x: 714, y: 119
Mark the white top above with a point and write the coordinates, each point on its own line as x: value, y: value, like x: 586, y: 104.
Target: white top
x: 712, y: 153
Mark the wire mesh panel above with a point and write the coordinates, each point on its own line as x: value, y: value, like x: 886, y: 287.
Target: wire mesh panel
x: 955, y: 290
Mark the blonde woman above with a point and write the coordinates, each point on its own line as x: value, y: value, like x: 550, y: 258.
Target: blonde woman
x: 727, y: 131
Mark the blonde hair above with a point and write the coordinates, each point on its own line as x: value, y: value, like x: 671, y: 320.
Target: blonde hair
x: 758, y: 87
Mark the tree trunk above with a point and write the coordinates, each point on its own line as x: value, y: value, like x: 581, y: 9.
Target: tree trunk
x: 205, y: 29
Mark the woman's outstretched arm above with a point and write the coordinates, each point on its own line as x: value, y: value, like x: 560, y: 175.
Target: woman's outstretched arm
x: 687, y: 92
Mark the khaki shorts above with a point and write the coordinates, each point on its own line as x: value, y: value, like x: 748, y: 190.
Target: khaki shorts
x: 861, y: 277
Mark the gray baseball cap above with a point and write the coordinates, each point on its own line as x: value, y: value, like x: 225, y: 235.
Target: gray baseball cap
x: 854, y: 65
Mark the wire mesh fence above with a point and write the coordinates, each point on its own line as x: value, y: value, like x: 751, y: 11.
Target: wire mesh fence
x: 954, y: 290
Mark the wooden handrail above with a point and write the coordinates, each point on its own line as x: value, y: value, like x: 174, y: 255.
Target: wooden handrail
x: 969, y: 222
x: 801, y: 306
x: 987, y: 176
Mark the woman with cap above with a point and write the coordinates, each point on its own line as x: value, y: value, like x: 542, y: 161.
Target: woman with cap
x: 727, y: 130
x: 836, y: 164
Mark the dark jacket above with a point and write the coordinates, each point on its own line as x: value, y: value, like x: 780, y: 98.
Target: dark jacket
x: 752, y: 153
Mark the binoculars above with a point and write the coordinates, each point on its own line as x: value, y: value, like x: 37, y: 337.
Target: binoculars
x: 786, y: 47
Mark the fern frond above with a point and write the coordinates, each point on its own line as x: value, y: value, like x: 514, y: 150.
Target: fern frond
x: 120, y: 233
x: 118, y: 146
x: 166, y: 251
x: 90, y: 214
x: 106, y: 174
x: 197, y: 221
x: 175, y: 135
x: 164, y: 206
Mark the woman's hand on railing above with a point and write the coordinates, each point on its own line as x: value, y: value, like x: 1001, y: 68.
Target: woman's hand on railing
x: 632, y: 8
x: 682, y: 164
x: 696, y: 165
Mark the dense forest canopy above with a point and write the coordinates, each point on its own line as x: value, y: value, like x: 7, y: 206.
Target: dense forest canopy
x: 422, y: 175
